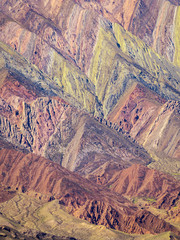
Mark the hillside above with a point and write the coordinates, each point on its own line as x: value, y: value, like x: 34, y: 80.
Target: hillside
x: 81, y: 74
x: 89, y: 119
x: 41, y: 178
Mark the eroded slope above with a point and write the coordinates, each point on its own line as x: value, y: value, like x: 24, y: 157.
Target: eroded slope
x: 81, y: 198
x: 51, y: 127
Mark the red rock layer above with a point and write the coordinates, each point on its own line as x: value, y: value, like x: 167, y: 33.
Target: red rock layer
x: 83, y: 199
x: 152, y: 21
x: 143, y: 114
x: 75, y: 39
x: 141, y: 181
x: 50, y: 127
x: 136, y: 110
x: 156, y: 188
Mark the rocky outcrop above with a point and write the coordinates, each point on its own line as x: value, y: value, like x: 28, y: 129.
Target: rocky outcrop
x: 50, y: 127
x: 152, y: 121
x: 57, y: 39
x: 141, y: 181
x: 167, y: 122
x: 136, y: 111
x: 33, y: 174
x: 129, y: 62
x: 154, y: 22
x: 149, y: 189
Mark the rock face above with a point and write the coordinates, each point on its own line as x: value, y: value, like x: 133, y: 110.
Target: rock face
x: 154, y: 22
x: 151, y: 120
x: 149, y: 189
x: 103, y: 83
x: 50, y: 127
x: 86, y: 50
x: 82, y: 198
x: 84, y: 84
x: 141, y: 181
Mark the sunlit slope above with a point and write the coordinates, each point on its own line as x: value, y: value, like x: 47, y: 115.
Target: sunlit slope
x: 82, y: 198
x: 65, y: 85
x: 51, y: 127
x: 112, y: 58
x: 120, y: 59
x: 43, y: 217
x: 153, y: 122
x: 154, y: 22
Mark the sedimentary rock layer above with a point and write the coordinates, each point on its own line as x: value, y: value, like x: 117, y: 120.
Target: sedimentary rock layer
x: 154, y: 22
x: 82, y: 198
x: 141, y: 181
x: 151, y: 120
x: 51, y: 127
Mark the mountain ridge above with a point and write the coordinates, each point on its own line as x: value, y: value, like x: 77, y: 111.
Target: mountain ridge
x: 92, y: 86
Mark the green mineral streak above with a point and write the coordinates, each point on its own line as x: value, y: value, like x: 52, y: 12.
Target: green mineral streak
x: 73, y: 82
x: 137, y: 50
x: 120, y: 59
x: 63, y: 79
x: 102, y: 61
x: 177, y: 38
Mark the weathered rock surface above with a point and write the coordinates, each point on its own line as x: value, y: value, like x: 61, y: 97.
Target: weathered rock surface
x: 156, y: 23
x: 59, y: 57
x: 153, y: 122
x: 129, y: 61
x: 153, y: 22
x: 50, y: 127
x: 149, y: 189
x: 83, y: 199
x: 141, y: 181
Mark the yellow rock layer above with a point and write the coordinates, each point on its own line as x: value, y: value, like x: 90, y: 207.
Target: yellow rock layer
x: 40, y: 216
x: 177, y: 38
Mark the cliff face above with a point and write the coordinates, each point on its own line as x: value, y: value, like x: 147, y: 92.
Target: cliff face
x: 90, y: 85
x: 50, y: 127
x: 129, y: 58
x: 152, y: 121
x: 156, y: 23
x: 46, y: 42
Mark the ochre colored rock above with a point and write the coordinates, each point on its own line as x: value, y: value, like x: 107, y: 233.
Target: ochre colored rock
x: 159, y: 190
x: 152, y: 121
x: 30, y: 173
x: 141, y: 181
x: 50, y: 127
x: 59, y: 58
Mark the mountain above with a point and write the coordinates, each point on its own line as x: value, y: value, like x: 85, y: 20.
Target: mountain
x: 101, y: 84
x: 89, y: 119
x: 46, y: 180
x: 53, y: 128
